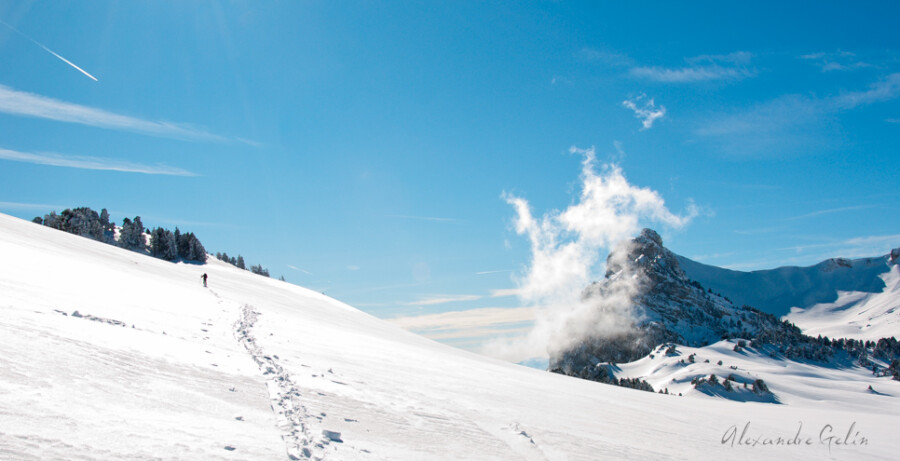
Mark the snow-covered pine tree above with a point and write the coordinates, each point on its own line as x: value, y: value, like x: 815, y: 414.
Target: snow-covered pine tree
x: 132, y: 235
x: 125, y: 233
x: 170, y: 253
x: 104, y: 219
x: 197, y: 250
x: 53, y: 221
x: 156, y: 242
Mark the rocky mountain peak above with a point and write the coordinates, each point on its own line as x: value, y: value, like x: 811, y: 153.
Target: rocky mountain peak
x: 645, y: 255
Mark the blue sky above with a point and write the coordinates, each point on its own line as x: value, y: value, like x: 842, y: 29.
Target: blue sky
x: 370, y: 150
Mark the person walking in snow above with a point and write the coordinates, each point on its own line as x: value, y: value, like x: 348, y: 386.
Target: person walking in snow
x: 203, y: 277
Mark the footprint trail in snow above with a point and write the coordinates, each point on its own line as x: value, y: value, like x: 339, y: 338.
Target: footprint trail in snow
x: 285, y: 396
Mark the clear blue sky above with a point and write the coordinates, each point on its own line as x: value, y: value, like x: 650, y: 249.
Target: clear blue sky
x: 363, y: 148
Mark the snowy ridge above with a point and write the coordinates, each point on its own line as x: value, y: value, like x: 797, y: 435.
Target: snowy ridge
x: 185, y: 378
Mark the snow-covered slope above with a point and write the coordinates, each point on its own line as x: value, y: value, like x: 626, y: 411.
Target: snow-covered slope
x: 157, y: 367
x: 855, y: 314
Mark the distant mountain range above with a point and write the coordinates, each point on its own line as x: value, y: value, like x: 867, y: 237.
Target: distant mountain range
x: 776, y: 291
x: 775, y: 314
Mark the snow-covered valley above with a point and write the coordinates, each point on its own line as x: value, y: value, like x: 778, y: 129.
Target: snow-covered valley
x: 155, y: 366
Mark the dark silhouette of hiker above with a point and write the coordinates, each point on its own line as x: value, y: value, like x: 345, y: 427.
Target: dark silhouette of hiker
x: 203, y: 277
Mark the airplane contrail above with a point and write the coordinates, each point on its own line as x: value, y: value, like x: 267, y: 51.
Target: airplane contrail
x: 48, y: 50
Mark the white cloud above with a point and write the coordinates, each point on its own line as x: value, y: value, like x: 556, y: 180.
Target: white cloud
x: 492, y: 272
x: 29, y: 206
x: 504, y: 292
x: 298, y: 269
x: 609, y: 58
x: 21, y: 103
x: 690, y: 74
x: 468, y: 319
x: 738, y: 58
x: 566, y: 247
x: 814, y: 253
x: 830, y: 211
x: 883, y: 90
x: 874, y: 245
x: 731, y: 66
x: 423, y: 218
x: 647, y: 112
x: 836, y: 61
x: 792, y: 122
x: 431, y: 301
x: 90, y: 163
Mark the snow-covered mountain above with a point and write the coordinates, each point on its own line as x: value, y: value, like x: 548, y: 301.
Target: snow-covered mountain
x: 155, y: 366
x: 777, y: 291
x: 852, y: 298
x: 670, y: 308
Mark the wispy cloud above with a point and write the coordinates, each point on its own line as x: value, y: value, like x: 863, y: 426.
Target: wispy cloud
x: 707, y: 257
x: 732, y: 66
x: 298, y: 269
x: 561, y: 80
x: 459, y: 320
x: 791, y: 122
x: 29, y: 206
x: 836, y: 61
x: 738, y: 58
x: 689, y: 74
x: 49, y: 50
x: 423, y: 218
x: 645, y: 110
x: 830, y: 211
x: 90, y: 163
x: 505, y: 292
x: 26, y: 104
x: 758, y: 230
x: 855, y: 247
x: 471, y: 329
x: 610, y: 58
x: 444, y: 299
x: 880, y: 91
x: 492, y: 272
x: 814, y: 253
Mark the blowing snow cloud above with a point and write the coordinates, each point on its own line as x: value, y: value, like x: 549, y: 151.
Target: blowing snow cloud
x: 566, y: 250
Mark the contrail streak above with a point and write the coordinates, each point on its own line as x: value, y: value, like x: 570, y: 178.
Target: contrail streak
x: 49, y: 50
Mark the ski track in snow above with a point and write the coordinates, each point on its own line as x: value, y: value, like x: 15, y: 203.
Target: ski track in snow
x: 285, y: 396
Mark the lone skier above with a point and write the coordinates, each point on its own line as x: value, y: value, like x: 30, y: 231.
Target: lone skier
x: 203, y: 277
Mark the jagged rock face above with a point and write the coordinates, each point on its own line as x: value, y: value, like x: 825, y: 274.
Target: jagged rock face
x: 667, y: 307
x: 646, y: 254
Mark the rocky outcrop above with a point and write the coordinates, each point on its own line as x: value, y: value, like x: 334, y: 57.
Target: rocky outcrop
x: 667, y: 307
